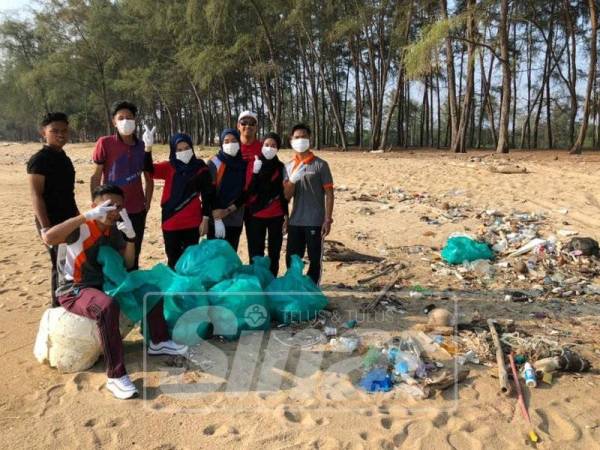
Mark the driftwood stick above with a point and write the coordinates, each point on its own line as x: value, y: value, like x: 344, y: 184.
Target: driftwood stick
x: 370, y: 306
x: 502, y: 374
x: 385, y: 271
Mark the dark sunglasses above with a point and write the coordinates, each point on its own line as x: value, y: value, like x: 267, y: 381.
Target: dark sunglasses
x: 248, y: 123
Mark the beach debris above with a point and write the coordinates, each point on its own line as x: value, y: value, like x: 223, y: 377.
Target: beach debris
x: 351, y: 323
x: 568, y: 361
x: 369, y: 307
x: 507, y: 169
x: 534, y: 243
x: 521, y: 400
x: 586, y: 246
x: 376, y: 380
x: 459, y: 249
x: 439, y: 317
x: 337, y: 251
x: 330, y: 330
x: 469, y: 357
x: 385, y: 270
x: 446, y: 378
x: 502, y: 373
x: 529, y: 375
x: 345, y: 343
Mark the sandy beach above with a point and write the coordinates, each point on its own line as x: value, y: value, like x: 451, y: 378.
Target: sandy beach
x: 299, y: 392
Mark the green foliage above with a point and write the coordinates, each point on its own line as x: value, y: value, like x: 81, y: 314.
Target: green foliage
x: 420, y: 57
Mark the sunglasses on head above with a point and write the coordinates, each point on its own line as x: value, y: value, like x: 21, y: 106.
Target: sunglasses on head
x: 248, y: 123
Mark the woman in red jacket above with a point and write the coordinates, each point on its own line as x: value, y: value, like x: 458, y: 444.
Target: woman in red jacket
x: 184, y: 218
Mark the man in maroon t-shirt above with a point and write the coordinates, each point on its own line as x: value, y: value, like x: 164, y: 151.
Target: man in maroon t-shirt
x: 120, y: 161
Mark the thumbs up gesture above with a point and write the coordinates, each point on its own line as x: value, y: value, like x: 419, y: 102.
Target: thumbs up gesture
x: 148, y: 137
x: 257, y: 165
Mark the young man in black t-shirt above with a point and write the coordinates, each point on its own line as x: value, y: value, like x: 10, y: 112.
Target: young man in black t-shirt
x: 52, y: 182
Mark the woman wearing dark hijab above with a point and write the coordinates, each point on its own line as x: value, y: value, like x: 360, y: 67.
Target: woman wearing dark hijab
x: 267, y: 207
x: 184, y: 218
x: 228, y: 171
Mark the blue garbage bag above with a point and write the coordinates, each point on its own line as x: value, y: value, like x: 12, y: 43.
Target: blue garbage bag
x: 130, y: 288
x: 260, y: 268
x: 294, y: 297
x: 181, y: 294
x: 186, y: 309
x: 211, y: 261
x: 461, y: 248
x: 238, y: 304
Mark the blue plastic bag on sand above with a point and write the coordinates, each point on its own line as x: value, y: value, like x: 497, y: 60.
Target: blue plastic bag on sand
x: 211, y: 261
x: 260, y: 268
x: 294, y: 297
x: 461, y: 248
x: 377, y: 380
x: 238, y: 304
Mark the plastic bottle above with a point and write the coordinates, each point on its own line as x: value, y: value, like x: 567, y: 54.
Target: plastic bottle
x: 529, y: 375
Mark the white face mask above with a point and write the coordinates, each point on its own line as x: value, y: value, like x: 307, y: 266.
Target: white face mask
x: 231, y: 149
x: 269, y: 152
x: 126, y: 126
x: 185, y: 155
x: 300, y: 145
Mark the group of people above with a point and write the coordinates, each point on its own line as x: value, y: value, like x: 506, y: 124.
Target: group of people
x: 244, y: 185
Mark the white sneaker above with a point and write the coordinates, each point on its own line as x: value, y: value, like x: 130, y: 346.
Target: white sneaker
x: 167, y: 348
x: 122, y: 388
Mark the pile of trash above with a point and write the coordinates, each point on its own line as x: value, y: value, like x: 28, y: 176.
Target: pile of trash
x: 543, y: 353
x: 509, y: 249
x: 401, y: 365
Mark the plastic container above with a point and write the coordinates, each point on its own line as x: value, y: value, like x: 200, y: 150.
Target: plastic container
x: 529, y: 375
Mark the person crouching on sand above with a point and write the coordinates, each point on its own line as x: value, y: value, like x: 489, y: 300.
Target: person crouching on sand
x: 81, y: 279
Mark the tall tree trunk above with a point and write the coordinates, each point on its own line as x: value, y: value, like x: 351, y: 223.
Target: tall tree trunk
x: 502, y: 146
x: 572, y: 68
x: 526, y: 125
x: 439, y: 120
x: 451, y: 76
x: 392, y: 108
x: 460, y: 143
x: 514, y: 94
x: 578, y: 145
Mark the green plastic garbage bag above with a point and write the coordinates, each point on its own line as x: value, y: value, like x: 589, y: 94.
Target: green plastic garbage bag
x: 238, y: 304
x: 260, y: 268
x: 461, y: 248
x: 186, y: 308
x: 211, y: 261
x: 294, y: 297
x: 130, y: 288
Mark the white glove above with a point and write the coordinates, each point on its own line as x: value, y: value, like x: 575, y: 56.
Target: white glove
x: 219, y: 229
x: 148, y: 136
x: 298, y: 174
x: 100, y: 211
x: 257, y: 165
x: 125, y: 225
